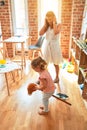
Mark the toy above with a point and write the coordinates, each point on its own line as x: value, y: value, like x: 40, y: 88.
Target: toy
x: 70, y: 68
x: 63, y: 96
x: 56, y: 96
x: 64, y: 65
x: 31, y: 88
x: 2, y: 62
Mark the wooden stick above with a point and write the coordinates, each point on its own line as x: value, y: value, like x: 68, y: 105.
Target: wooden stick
x: 62, y: 100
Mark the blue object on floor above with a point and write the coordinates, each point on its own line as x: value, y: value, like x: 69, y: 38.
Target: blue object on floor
x: 62, y: 96
x: 81, y: 86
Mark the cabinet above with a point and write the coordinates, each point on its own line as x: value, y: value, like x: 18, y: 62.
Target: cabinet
x: 78, y: 55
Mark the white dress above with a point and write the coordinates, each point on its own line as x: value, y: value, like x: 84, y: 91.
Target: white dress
x: 51, y: 49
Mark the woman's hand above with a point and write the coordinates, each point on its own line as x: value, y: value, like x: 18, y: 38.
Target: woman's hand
x: 44, y: 28
x: 46, y: 23
x: 54, y: 20
x: 57, y: 28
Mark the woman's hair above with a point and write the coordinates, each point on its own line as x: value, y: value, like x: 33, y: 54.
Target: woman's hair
x: 39, y: 62
x: 50, y: 14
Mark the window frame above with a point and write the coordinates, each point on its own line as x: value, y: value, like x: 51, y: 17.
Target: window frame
x: 26, y: 18
x: 40, y: 6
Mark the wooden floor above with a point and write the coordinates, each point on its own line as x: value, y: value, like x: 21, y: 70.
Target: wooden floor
x: 19, y: 111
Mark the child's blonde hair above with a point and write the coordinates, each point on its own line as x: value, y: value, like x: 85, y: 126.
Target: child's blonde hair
x: 39, y: 62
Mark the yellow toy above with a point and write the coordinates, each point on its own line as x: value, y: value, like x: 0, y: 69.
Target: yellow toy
x: 2, y: 62
x: 70, y: 68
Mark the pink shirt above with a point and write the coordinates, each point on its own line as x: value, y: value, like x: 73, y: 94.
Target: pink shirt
x: 50, y: 87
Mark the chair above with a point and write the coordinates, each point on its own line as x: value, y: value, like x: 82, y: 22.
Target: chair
x: 37, y: 47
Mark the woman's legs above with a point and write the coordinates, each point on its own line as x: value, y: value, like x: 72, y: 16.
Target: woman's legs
x: 57, y: 73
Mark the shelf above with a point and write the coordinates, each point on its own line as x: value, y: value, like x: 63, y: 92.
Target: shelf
x: 77, y: 61
x: 83, y: 73
x: 85, y: 51
x: 73, y: 53
x: 79, y: 54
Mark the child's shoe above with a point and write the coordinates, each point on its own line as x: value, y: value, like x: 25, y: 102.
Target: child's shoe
x: 41, y: 107
x: 41, y: 112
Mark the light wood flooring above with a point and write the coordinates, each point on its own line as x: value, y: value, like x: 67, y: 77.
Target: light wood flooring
x: 19, y: 111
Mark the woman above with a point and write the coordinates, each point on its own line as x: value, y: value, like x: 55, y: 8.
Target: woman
x: 51, y: 49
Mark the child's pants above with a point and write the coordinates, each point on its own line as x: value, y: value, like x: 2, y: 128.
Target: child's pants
x: 45, y: 100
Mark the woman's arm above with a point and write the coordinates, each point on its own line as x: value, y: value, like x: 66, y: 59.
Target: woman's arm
x: 57, y: 28
x: 44, y: 28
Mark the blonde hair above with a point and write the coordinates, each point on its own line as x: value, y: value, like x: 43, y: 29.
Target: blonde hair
x: 50, y: 14
x: 39, y: 62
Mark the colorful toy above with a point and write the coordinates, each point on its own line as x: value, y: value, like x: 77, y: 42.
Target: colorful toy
x: 64, y: 65
x: 31, y: 88
x: 2, y: 62
x: 70, y: 68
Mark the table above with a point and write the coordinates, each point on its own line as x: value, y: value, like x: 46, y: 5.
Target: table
x: 9, y: 67
x: 15, y: 40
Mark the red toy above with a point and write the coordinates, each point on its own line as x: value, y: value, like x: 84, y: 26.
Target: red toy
x: 31, y: 88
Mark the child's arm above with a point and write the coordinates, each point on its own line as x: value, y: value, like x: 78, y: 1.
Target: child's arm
x: 43, y: 85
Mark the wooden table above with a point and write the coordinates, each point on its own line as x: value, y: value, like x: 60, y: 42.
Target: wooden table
x: 15, y: 40
x: 9, y: 67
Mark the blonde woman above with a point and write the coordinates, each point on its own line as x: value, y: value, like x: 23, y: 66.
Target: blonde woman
x: 51, y: 49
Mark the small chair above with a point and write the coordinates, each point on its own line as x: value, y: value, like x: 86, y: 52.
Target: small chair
x: 37, y: 47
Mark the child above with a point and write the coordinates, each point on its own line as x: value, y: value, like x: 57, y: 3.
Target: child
x: 46, y: 83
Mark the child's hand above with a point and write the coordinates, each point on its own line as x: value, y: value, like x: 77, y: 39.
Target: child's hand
x: 36, y: 87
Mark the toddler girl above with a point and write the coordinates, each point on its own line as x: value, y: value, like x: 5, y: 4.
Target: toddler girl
x: 47, y: 85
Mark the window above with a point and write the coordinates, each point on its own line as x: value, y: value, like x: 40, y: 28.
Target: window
x: 44, y: 6
x: 20, y: 19
x: 1, y: 44
x: 84, y: 23
x: 0, y: 29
